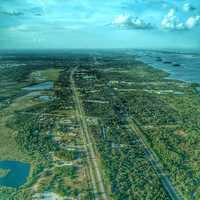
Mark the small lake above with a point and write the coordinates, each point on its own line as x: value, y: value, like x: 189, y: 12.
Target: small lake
x: 40, y: 86
x: 44, y: 98
x: 17, y: 175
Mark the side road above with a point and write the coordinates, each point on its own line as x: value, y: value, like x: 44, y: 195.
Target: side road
x: 155, y: 163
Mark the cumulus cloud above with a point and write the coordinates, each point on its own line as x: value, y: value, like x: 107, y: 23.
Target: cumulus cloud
x: 172, y: 22
x: 188, y: 7
x: 192, y: 22
x: 129, y: 22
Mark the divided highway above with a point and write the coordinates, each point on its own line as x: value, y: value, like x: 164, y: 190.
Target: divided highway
x: 95, y: 172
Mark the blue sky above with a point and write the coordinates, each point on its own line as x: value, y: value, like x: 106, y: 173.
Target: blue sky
x: 100, y: 24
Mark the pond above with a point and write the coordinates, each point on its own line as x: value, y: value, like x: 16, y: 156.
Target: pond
x: 44, y: 98
x: 17, y: 174
x: 40, y: 86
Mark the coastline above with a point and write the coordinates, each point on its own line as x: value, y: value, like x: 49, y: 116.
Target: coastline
x: 187, y: 70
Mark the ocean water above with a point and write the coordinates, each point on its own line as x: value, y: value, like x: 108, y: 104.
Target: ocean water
x: 180, y: 65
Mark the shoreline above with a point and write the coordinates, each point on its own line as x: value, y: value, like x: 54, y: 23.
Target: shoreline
x: 187, y: 69
x: 169, y: 75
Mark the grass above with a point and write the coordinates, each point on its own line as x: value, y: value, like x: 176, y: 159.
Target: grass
x: 60, y: 178
x: 8, y: 146
x: 45, y: 75
x: 4, y: 172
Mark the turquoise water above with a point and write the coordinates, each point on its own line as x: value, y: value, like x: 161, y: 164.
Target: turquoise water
x: 44, y: 98
x: 180, y: 65
x: 17, y: 175
x: 40, y: 86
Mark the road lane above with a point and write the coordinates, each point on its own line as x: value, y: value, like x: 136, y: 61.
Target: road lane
x: 97, y: 180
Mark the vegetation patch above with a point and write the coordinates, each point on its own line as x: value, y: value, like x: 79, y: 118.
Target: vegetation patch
x: 4, y: 172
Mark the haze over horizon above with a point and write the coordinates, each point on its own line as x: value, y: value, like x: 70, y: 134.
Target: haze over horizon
x: 58, y: 24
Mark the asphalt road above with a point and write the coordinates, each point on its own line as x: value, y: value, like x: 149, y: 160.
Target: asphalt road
x: 151, y: 156
x: 95, y: 172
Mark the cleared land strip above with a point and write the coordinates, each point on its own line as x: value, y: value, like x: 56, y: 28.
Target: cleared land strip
x: 95, y: 172
x: 152, y: 158
x: 155, y: 163
x: 43, y: 114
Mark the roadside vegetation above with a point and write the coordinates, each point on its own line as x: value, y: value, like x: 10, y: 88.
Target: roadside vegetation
x: 114, y: 90
x: 39, y: 132
x: 167, y: 112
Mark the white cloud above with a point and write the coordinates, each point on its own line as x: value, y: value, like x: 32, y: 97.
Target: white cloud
x: 171, y: 13
x: 192, y: 22
x: 188, y: 7
x: 129, y: 22
x: 121, y: 20
x: 172, y: 22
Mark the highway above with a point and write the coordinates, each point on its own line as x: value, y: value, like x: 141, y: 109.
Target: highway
x: 95, y: 172
x: 168, y: 186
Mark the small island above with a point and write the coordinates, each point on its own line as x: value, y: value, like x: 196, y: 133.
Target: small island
x: 4, y: 172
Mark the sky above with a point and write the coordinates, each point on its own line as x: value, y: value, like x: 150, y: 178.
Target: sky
x: 58, y: 24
